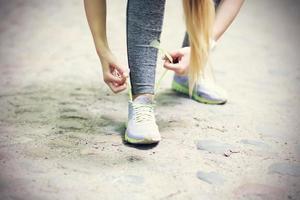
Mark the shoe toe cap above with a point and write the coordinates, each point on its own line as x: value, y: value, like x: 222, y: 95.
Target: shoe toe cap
x: 143, y: 133
x: 216, y: 94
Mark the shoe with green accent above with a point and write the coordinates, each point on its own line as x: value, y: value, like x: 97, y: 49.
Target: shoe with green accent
x: 141, y: 126
x: 206, y: 91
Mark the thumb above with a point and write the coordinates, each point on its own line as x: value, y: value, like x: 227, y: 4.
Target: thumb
x: 176, y: 54
x: 173, y: 56
x: 171, y: 66
x: 122, y: 70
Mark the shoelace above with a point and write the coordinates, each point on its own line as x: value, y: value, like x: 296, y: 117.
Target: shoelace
x: 143, y: 112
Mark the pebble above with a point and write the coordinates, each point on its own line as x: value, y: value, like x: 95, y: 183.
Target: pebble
x: 216, y: 147
x: 285, y: 169
x: 229, y: 152
x: 127, y: 179
x: 211, y: 177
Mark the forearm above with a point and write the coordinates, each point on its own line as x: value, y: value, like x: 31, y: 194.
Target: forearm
x: 96, y: 16
x: 225, y: 14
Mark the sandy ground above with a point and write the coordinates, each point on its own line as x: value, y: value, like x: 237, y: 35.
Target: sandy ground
x: 61, y: 127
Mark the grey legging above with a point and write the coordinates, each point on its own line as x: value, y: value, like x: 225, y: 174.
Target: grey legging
x: 144, y: 24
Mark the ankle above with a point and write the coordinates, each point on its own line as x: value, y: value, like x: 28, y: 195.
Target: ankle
x: 151, y: 96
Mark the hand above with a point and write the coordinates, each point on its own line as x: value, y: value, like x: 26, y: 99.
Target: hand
x: 181, y: 61
x: 114, y: 74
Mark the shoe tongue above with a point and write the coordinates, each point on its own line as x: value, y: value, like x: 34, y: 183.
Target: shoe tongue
x: 143, y: 99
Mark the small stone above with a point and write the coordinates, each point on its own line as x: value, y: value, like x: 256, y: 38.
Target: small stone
x: 132, y: 159
x: 211, y: 177
x: 129, y: 179
x: 213, y: 146
x: 285, y: 169
x: 228, y: 153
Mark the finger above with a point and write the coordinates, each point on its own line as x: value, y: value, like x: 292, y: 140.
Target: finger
x: 168, y: 58
x: 123, y: 71
x: 173, y: 56
x: 117, y: 84
x: 112, y: 78
x: 117, y: 88
x: 172, y: 66
x: 178, y: 69
x: 126, y: 73
x: 120, y: 88
x: 176, y: 54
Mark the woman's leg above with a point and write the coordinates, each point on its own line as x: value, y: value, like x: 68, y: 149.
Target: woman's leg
x: 144, y: 24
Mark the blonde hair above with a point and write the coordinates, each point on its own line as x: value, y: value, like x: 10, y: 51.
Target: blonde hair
x: 199, y: 18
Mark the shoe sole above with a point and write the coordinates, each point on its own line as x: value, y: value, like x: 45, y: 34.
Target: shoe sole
x: 184, y: 90
x: 139, y: 141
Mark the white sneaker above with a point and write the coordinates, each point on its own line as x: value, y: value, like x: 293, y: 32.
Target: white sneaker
x: 141, y: 126
x: 206, y: 90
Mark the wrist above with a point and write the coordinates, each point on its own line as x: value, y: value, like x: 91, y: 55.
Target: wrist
x: 103, y: 52
x: 102, y: 48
